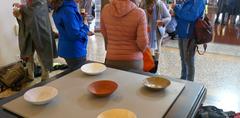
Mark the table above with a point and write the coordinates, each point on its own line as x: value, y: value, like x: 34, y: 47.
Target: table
x: 185, y: 106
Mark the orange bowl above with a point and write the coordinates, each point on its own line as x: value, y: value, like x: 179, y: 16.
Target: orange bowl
x: 102, y: 88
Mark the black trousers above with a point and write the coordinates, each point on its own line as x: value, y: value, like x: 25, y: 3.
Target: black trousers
x: 75, y: 62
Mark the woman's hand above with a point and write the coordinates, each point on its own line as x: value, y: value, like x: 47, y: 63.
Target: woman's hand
x: 90, y: 33
x: 171, y: 12
x: 16, y: 12
x: 173, y: 6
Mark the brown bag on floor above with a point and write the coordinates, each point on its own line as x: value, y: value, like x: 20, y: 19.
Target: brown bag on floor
x: 12, y: 75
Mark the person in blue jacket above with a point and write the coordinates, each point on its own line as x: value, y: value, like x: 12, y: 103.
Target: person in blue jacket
x: 187, y: 14
x: 73, y: 33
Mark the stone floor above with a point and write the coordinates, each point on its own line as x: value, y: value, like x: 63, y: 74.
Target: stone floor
x: 218, y: 71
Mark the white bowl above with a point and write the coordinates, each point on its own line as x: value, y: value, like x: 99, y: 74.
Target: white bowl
x: 93, y: 68
x: 117, y: 113
x: 40, y: 95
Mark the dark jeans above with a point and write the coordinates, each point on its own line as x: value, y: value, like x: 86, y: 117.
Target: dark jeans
x: 187, y: 53
x: 75, y: 62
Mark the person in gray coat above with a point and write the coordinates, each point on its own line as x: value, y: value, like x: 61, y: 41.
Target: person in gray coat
x: 35, y: 34
x: 158, y: 17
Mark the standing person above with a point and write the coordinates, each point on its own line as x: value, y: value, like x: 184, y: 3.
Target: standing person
x: 124, y: 27
x: 86, y: 6
x: 235, y: 10
x: 222, y: 8
x: 186, y: 15
x: 73, y: 33
x: 35, y: 35
x: 158, y: 17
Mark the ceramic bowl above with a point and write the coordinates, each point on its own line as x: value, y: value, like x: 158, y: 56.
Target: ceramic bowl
x: 117, y: 113
x: 40, y: 95
x: 93, y: 68
x: 102, y: 88
x: 156, y: 83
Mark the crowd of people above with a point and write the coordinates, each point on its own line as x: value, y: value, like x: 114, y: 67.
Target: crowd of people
x: 128, y: 28
x: 231, y: 8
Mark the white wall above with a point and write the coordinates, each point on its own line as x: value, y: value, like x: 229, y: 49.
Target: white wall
x: 9, y: 50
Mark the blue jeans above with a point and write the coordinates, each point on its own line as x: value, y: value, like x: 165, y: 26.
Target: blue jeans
x: 187, y: 52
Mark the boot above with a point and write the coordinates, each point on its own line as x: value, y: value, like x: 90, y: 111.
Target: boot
x: 45, y: 71
x: 30, y: 69
x: 45, y: 74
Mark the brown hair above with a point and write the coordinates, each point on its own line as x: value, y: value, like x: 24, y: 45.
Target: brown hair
x: 56, y: 4
x: 149, y: 2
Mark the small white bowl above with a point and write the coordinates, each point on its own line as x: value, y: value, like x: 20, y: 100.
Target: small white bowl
x: 40, y: 95
x: 93, y: 68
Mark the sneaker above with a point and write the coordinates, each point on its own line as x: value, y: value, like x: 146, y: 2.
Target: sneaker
x: 172, y: 35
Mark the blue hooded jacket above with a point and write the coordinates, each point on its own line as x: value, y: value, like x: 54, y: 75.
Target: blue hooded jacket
x: 73, y: 36
x: 187, y: 14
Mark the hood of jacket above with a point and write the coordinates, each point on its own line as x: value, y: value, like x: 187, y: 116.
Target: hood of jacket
x: 69, y: 3
x: 120, y: 8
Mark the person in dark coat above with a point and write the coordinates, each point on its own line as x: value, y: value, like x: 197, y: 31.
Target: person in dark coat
x: 35, y: 34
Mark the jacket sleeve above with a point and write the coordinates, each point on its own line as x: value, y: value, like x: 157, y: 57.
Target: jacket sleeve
x: 103, y: 28
x: 75, y: 28
x: 142, y: 35
x: 164, y: 13
x: 190, y: 11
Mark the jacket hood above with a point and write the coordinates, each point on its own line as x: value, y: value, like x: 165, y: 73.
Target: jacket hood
x: 70, y: 3
x: 120, y: 8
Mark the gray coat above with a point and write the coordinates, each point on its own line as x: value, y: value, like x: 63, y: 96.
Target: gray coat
x: 35, y: 32
x: 161, y: 12
x: 87, y: 5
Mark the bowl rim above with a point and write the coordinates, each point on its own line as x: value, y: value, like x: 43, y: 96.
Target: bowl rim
x: 117, y: 109
x: 91, y: 85
x: 104, y: 67
x: 145, y: 82
x: 43, y: 100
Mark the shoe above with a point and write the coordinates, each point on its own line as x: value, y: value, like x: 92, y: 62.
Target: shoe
x: 217, y: 22
x: 45, y: 76
x: 172, y: 35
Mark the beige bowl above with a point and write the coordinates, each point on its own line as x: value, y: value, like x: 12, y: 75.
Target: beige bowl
x: 40, y: 95
x: 117, y: 113
x: 156, y: 83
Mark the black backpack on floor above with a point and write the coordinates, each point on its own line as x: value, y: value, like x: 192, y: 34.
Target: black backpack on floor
x: 213, y: 112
